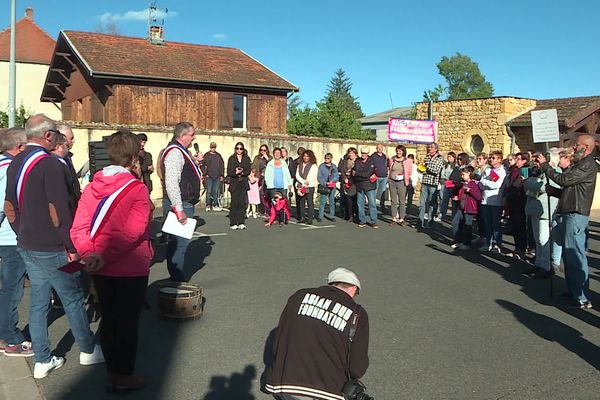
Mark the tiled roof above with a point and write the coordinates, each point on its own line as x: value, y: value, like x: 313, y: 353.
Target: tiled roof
x: 33, y: 45
x: 383, y: 117
x: 120, y: 56
x: 566, y: 108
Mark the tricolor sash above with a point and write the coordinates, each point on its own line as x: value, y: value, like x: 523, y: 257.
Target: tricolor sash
x: 28, y: 164
x: 186, y: 155
x: 107, y: 205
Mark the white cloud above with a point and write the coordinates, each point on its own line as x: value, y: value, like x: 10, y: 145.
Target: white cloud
x: 219, y: 36
x: 132, y: 15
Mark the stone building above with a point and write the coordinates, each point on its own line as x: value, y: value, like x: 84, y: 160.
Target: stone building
x: 504, y: 123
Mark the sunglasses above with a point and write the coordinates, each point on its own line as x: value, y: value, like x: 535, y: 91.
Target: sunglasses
x: 263, y: 149
x: 239, y: 148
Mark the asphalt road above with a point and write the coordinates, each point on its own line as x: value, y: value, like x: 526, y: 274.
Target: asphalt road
x: 444, y: 324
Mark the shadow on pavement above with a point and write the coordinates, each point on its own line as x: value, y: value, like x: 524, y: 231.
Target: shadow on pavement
x: 268, y: 357
x: 235, y: 387
x: 555, y: 331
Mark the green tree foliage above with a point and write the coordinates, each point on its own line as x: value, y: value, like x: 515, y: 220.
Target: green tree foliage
x: 336, y: 116
x: 463, y: 78
x: 21, y: 116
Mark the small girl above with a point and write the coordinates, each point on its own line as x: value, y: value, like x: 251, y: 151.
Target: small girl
x: 468, y: 199
x: 253, y: 194
x: 279, y: 210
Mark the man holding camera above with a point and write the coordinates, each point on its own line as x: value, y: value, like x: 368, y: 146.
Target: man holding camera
x: 578, y: 183
x: 322, y: 342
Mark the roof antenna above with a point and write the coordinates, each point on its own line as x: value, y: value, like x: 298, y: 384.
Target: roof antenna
x: 155, y: 27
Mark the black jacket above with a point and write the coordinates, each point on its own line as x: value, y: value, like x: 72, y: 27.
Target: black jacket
x: 362, y: 171
x: 578, y: 182
x: 312, y: 341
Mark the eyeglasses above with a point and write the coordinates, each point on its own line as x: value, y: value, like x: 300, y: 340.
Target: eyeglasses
x: 239, y: 148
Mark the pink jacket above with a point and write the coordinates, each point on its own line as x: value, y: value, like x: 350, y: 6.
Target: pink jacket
x: 472, y: 199
x: 408, y: 166
x: 124, y: 241
x: 281, y: 204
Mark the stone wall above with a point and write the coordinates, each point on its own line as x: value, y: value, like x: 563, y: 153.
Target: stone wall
x: 460, y: 120
x: 158, y: 137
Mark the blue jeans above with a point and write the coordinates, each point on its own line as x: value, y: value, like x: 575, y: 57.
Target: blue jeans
x: 12, y: 274
x: 176, y: 249
x: 556, y: 252
x: 323, y: 200
x: 42, y: 268
x: 492, y: 221
x: 360, y: 202
x: 426, y: 202
x: 445, y: 200
x: 381, y: 189
x: 572, y: 230
x: 213, y: 186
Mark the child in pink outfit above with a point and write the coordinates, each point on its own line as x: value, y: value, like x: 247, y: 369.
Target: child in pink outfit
x: 279, y: 210
x: 253, y: 194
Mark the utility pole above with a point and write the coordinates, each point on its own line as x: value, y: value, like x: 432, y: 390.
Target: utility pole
x: 12, y: 68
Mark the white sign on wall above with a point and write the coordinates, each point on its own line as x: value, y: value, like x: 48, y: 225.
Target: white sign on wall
x: 545, y: 126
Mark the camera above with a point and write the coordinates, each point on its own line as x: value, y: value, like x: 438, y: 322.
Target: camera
x: 356, y: 390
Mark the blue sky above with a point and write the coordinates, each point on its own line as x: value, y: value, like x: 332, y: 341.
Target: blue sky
x: 537, y: 49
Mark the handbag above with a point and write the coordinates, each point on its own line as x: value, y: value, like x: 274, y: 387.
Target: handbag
x: 449, y: 184
x: 323, y: 189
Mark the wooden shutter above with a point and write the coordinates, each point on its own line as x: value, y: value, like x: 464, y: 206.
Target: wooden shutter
x: 253, y: 113
x: 225, y: 110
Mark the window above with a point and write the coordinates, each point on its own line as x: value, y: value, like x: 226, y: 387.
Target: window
x: 476, y: 144
x: 239, y: 112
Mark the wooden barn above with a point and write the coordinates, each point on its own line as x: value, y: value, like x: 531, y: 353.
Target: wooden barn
x: 133, y: 81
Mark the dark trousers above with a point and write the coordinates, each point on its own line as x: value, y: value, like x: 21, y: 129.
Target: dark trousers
x: 516, y: 208
x: 306, y: 205
x: 350, y: 207
x: 237, y: 209
x: 121, y: 301
x: 410, y: 194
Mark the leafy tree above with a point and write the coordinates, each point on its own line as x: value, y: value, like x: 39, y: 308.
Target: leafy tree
x: 303, y: 122
x: 20, y: 117
x: 464, y: 80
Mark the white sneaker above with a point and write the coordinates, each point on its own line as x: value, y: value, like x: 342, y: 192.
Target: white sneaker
x: 437, y: 219
x: 254, y: 215
x: 217, y: 208
x: 96, y: 357
x: 455, y: 245
x: 41, y: 370
x: 207, y: 209
x: 426, y: 216
x: 233, y: 227
x: 241, y: 226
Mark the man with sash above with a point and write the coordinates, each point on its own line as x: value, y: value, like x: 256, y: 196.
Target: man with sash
x: 12, y: 267
x: 37, y: 208
x: 72, y: 181
x: 182, y: 179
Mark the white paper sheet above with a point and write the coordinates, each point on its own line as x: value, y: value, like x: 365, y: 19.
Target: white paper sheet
x: 174, y: 227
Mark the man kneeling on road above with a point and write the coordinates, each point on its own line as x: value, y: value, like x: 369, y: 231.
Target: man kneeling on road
x: 314, y: 335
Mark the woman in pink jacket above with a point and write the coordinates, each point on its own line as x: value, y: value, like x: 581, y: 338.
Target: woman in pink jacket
x: 400, y: 168
x: 111, y: 233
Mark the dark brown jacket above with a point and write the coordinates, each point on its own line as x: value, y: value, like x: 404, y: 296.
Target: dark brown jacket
x: 312, y: 343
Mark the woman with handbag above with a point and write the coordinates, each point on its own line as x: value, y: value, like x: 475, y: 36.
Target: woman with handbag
x: 306, y: 175
x: 327, y: 176
x: 400, y: 168
x: 111, y: 232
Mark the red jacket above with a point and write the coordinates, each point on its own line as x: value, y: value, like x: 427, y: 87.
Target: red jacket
x: 472, y: 197
x: 279, y: 205
x: 124, y: 241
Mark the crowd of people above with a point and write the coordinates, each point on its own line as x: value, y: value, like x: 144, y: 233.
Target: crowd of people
x: 51, y: 231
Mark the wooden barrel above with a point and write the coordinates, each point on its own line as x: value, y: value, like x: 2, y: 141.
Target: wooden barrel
x: 180, y: 302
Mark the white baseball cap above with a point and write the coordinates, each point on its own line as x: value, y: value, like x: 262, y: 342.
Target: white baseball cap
x: 343, y: 275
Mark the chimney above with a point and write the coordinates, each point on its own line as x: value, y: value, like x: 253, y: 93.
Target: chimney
x: 29, y: 13
x: 156, y: 34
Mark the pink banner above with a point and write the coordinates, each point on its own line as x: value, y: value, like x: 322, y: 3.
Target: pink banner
x: 412, y: 130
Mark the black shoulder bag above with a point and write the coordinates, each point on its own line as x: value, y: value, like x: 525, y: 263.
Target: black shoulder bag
x: 354, y: 389
x: 322, y: 189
